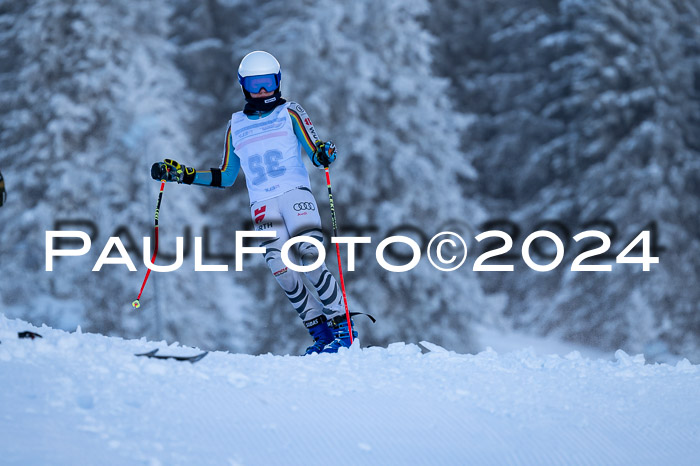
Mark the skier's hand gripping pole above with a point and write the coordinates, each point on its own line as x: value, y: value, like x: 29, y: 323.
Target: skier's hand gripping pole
x: 171, y: 170
x: 325, y: 154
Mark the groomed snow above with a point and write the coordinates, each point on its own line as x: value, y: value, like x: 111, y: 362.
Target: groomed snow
x: 73, y: 398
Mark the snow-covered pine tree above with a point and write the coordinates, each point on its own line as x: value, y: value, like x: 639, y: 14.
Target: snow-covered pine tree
x: 90, y: 99
x: 630, y: 154
x: 585, y: 110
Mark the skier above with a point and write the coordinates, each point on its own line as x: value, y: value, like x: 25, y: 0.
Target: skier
x: 265, y: 139
x: 3, y: 193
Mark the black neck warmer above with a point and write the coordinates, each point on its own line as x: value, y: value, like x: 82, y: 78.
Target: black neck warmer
x: 256, y: 106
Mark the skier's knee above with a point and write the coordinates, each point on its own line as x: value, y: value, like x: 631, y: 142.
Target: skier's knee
x: 308, y: 253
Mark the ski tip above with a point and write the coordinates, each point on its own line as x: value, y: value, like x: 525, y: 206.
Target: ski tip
x: 194, y: 359
x: 136, y: 304
x: 191, y: 359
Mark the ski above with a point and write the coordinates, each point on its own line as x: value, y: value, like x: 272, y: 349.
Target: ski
x: 191, y: 359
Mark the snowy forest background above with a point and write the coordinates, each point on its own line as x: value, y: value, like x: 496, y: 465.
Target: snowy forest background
x: 450, y: 115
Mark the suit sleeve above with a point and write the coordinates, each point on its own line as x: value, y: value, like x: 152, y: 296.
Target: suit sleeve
x: 226, y: 174
x: 303, y: 129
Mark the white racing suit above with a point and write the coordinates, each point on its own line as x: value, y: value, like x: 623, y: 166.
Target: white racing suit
x: 268, y: 148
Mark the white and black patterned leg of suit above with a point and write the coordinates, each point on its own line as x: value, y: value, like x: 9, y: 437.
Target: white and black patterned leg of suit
x: 267, y: 217
x: 300, y: 213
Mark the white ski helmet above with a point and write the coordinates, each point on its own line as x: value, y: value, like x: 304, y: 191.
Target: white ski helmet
x: 259, y: 70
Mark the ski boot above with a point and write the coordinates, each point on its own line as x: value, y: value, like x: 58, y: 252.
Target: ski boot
x: 339, y: 326
x: 320, y: 332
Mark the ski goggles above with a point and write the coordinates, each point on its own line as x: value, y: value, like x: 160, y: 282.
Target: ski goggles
x: 253, y: 84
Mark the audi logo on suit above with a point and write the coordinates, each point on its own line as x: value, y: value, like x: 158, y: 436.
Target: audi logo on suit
x: 304, y: 206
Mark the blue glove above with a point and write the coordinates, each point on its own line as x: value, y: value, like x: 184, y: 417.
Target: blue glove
x: 170, y: 170
x: 325, y: 154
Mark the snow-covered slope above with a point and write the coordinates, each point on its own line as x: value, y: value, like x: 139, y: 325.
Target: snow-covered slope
x: 73, y: 398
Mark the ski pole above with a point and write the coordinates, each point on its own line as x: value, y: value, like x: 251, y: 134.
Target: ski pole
x: 137, y: 303
x: 3, y: 193
x: 337, y: 249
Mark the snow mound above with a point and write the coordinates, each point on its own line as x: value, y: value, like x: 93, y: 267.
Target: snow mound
x: 74, y: 397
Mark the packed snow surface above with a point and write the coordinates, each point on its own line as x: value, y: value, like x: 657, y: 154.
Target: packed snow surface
x: 74, y: 398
